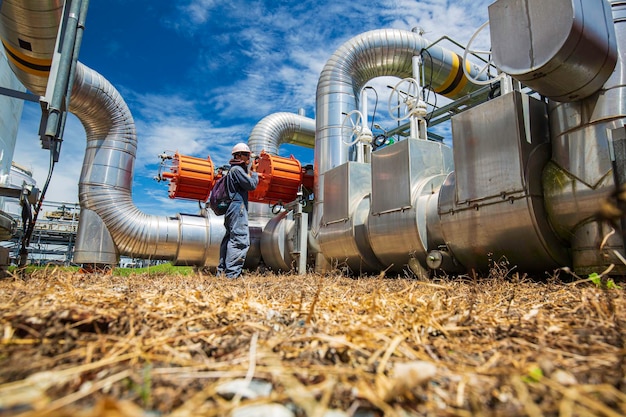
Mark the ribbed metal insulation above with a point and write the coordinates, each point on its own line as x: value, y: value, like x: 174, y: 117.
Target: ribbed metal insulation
x: 106, y: 178
x: 282, y: 128
x: 106, y: 182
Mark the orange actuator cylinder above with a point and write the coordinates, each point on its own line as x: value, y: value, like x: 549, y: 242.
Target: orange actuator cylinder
x: 191, y: 178
x: 279, y: 179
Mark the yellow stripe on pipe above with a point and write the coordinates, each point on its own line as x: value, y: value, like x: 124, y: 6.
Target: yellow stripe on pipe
x: 34, y: 66
x: 463, y: 82
x: 451, y: 75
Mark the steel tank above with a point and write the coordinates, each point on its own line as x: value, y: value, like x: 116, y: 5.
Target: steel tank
x: 10, y: 114
x: 582, y: 170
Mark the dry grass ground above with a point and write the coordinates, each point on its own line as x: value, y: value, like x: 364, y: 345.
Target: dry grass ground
x: 145, y: 345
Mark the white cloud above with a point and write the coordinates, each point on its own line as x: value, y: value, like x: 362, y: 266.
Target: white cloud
x: 282, y: 47
x: 457, y: 20
x: 199, y: 10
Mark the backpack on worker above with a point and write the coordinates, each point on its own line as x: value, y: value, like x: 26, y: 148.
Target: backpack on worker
x: 219, y: 199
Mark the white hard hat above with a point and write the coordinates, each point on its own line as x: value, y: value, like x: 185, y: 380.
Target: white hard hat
x: 240, y: 147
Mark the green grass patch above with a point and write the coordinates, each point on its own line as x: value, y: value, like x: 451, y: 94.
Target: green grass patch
x: 161, y: 269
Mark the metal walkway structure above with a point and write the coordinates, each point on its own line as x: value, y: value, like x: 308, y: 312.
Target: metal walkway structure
x: 53, y: 236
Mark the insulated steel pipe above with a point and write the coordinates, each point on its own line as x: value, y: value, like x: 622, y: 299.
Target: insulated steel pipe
x: 105, y: 188
x: 387, y: 52
x: 29, y: 30
x: 282, y: 128
x: 268, y: 134
x: 562, y: 49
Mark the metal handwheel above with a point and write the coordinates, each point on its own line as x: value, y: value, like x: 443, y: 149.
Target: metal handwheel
x: 352, y: 127
x: 475, y: 79
x: 404, y: 98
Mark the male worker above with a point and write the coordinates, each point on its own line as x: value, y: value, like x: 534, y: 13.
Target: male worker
x: 236, y: 241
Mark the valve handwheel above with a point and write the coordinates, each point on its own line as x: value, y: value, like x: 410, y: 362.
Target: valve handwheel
x: 352, y: 127
x: 404, y: 98
x: 481, y: 77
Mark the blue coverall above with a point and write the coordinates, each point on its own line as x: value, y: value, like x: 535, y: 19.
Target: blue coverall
x: 236, y: 241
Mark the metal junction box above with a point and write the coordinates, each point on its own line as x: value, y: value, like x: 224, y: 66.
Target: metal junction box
x: 344, y: 187
x: 396, y: 170
x: 406, y: 176
x: 493, y: 144
x: 342, y: 236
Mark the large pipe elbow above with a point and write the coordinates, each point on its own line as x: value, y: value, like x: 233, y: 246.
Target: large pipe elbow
x: 282, y: 128
x: 106, y: 181
x: 385, y: 52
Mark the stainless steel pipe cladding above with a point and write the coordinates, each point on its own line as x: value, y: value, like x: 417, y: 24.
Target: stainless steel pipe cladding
x: 492, y: 206
x: 277, y: 242
x: 279, y: 128
x: 581, y: 172
x: 28, y: 30
x: 198, y: 240
x: 98, y: 246
x: 343, y: 237
x: 256, y: 225
x: 563, y: 49
x: 405, y: 176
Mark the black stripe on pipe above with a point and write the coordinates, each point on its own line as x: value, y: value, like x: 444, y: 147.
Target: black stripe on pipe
x: 36, y: 67
x: 457, y: 79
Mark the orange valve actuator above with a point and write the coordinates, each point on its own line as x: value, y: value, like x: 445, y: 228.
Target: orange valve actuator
x: 279, y: 179
x: 190, y: 177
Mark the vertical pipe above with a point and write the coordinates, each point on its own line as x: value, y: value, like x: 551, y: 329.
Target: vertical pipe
x: 69, y: 47
x: 79, y: 40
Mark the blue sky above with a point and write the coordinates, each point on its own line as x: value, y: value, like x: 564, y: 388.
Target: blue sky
x: 198, y: 75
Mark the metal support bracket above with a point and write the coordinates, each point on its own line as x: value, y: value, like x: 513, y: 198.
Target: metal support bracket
x: 301, y: 220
